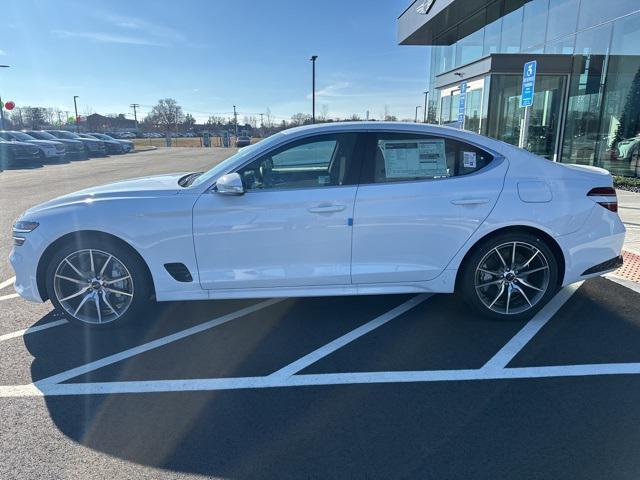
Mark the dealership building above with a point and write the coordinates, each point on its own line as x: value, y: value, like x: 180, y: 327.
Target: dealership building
x: 586, y: 101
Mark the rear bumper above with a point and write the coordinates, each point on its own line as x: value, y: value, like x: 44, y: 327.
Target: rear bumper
x: 606, y: 266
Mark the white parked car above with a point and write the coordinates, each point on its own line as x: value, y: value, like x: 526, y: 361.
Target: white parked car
x: 334, y: 209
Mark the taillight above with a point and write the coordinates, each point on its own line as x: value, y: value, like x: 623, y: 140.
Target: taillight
x: 605, y: 197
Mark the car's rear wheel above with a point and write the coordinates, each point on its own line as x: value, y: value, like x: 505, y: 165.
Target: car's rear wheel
x: 98, y: 283
x: 510, y: 276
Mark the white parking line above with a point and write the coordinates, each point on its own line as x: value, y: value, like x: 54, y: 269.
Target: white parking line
x: 501, y: 359
x: 33, y: 329
x: 340, y: 342
x: 8, y: 282
x: 159, y: 342
x: 8, y: 297
x: 324, y: 379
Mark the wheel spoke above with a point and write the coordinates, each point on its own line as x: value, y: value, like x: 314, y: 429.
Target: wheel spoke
x: 118, y: 292
x: 498, y: 296
x: 494, y: 282
x: 93, y: 266
x: 96, y: 300
x: 509, y: 288
x: 81, y: 304
x: 108, y: 304
x: 513, y: 256
x: 80, y: 274
x: 104, y: 267
x: 527, y: 284
x: 495, y: 274
x: 110, y: 282
x: 74, y: 280
x: 531, y: 259
x: 521, y: 292
x: 73, y: 295
x: 504, y: 264
x: 545, y: 267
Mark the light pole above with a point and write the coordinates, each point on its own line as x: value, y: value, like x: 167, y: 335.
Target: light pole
x: 424, y: 112
x: 2, y: 106
x: 75, y: 105
x: 313, y: 88
x: 416, y: 119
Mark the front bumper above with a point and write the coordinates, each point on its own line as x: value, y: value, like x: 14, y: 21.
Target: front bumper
x: 25, y: 265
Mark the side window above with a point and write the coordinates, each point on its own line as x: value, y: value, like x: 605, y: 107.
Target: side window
x: 404, y: 157
x: 320, y: 161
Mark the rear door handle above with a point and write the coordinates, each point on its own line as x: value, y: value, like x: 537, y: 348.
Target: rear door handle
x: 326, y: 208
x: 470, y: 201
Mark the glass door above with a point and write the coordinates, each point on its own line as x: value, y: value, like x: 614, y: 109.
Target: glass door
x: 506, y: 118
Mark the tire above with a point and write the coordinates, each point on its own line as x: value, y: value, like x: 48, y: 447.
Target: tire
x: 94, y: 267
x: 506, y: 289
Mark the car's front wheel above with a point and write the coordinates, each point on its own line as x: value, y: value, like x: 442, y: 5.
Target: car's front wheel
x: 98, y: 283
x: 510, y: 276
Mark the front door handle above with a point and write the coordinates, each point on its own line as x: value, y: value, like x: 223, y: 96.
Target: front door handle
x: 326, y: 208
x: 470, y: 201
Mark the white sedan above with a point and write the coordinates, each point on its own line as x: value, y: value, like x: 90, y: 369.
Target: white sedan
x: 335, y: 209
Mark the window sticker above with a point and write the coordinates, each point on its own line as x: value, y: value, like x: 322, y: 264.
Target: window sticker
x: 414, y: 158
x: 324, y: 179
x: 469, y: 159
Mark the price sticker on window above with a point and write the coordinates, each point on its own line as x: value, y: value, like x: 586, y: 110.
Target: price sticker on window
x: 469, y: 159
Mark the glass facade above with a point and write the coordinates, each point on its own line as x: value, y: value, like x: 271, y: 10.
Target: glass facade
x: 590, y: 115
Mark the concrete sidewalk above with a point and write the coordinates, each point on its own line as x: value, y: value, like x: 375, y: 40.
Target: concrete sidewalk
x: 629, y: 209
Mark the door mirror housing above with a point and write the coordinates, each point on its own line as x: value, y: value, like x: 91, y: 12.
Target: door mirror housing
x: 230, y: 184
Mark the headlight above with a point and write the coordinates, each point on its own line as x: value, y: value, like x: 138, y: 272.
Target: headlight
x: 24, y: 227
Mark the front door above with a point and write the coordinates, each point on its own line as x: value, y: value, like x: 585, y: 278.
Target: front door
x: 421, y: 199
x: 291, y: 228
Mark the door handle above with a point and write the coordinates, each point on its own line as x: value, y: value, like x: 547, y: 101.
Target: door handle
x: 326, y: 208
x: 470, y: 201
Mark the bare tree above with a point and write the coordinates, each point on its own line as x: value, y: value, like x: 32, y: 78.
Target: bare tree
x: 300, y: 118
x: 324, y: 112
x: 166, y: 114
x: 268, y: 118
x: 34, y: 117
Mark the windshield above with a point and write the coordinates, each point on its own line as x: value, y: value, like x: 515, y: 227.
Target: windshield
x: 21, y: 136
x: 69, y: 135
x: 5, y: 136
x: 243, y: 154
x: 42, y: 135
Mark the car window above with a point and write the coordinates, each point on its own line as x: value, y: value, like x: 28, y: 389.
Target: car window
x: 400, y: 157
x: 320, y: 161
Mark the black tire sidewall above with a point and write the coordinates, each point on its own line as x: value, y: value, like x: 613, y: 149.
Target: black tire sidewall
x: 141, y: 282
x: 466, y: 285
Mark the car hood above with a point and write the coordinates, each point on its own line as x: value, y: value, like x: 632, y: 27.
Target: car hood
x: 18, y: 144
x: 155, y: 186
x: 91, y: 140
x: 44, y: 143
x: 68, y: 141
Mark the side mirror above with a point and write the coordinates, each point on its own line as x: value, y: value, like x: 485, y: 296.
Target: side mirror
x: 230, y: 184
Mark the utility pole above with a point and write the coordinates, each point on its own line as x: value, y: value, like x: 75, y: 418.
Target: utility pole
x: 75, y: 105
x: 2, y: 106
x: 313, y: 88
x: 261, y: 121
x: 416, y: 119
x: 424, y: 113
x: 135, y: 113
x: 59, y: 121
x: 367, y: 116
x: 235, y: 119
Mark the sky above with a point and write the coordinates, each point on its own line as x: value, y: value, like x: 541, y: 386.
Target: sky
x: 210, y: 55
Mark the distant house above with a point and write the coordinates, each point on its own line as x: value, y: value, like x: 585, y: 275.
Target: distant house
x: 100, y: 123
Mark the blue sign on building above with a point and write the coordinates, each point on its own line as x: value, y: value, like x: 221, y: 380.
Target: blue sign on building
x: 528, y: 84
x: 462, y: 104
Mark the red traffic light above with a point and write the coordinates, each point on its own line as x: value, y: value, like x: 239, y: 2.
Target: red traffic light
x: 9, y: 105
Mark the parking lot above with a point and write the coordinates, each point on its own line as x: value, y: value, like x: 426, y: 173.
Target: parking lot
x: 396, y: 386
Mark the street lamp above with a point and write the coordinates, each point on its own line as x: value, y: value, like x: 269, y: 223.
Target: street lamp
x: 2, y: 106
x: 75, y: 105
x: 416, y: 119
x: 313, y: 88
x: 424, y: 112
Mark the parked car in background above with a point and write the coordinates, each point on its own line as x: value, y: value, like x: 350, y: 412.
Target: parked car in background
x: 93, y: 147
x: 18, y: 154
x: 243, y: 141
x: 127, y: 145
x: 50, y: 150
x: 74, y: 148
x: 112, y: 147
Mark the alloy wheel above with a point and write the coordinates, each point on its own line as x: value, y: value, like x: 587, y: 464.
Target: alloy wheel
x: 512, y: 278
x: 93, y: 286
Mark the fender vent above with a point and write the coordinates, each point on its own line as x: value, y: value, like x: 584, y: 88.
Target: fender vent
x: 179, y: 271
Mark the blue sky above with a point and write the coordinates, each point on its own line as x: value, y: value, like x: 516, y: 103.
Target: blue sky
x: 210, y: 55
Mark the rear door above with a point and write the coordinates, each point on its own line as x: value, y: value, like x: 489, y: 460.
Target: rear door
x: 421, y: 197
